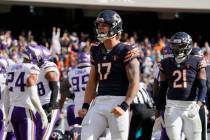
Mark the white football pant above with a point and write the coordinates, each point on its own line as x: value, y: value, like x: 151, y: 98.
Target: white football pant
x: 99, y: 117
x: 182, y: 115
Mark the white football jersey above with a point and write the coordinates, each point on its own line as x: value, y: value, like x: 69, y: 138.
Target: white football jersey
x: 17, y: 75
x: 2, y: 87
x: 78, y: 78
x: 43, y: 84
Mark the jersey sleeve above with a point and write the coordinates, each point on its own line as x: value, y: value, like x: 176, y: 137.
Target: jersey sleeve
x: 201, y: 63
x: 93, y: 55
x: 130, y: 52
x: 34, y: 70
x: 50, y: 67
x: 162, y: 66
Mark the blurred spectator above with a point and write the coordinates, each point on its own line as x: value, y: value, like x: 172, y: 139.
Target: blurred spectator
x: 30, y: 38
x: 56, y: 46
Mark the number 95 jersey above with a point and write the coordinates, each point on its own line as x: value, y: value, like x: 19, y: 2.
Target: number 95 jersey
x: 181, y: 78
x: 78, y: 78
x: 110, y: 66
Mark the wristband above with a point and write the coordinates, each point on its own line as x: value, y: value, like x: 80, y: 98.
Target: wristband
x: 85, y: 106
x: 124, y: 106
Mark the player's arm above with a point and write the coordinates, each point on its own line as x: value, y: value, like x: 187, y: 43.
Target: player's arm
x: 6, y: 101
x: 202, y: 86
x: 133, y: 74
x: 52, y: 78
x: 65, y: 92
x: 161, y: 95
x: 31, y: 83
x: 90, y: 91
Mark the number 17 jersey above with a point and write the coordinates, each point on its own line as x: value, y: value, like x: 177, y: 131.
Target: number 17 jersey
x: 110, y: 66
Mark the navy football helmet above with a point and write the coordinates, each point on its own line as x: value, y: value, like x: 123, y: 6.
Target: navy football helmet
x: 57, y: 135
x: 181, y: 46
x: 196, y: 51
x: 113, y: 19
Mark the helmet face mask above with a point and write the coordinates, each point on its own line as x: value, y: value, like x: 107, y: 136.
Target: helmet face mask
x: 181, y: 46
x: 111, y: 18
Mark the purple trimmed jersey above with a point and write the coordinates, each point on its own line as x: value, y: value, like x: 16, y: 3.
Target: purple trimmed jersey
x: 43, y: 84
x: 78, y: 78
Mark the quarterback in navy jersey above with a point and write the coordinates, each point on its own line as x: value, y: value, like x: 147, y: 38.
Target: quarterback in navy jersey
x: 115, y: 75
x: 180, y: 76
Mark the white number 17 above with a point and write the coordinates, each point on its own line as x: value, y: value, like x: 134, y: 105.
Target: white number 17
x: 107, y: 66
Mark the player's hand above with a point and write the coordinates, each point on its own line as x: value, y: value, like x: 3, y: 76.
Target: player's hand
x: 54, y: 29
x: 82, y: 112
x: 61, y: 115
x: 58, y: 29
x: 118, y: 111
x: 44, y: 121
x: 8, y: 126
x: 157, y: 114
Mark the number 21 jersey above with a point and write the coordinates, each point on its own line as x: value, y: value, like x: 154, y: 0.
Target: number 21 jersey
x: 181, y: 78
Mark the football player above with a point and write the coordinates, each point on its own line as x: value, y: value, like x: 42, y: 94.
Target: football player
x: 115, y: 69
x: 3, y: 66
x: 48, y: 91
x: 21, y: 100
x: 179, y: 78
x: 78, y: 78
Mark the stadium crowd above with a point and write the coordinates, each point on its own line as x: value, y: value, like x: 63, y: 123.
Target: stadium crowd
x: 65, y: 48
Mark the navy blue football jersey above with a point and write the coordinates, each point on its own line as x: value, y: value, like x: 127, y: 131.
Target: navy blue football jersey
x: 182, y: 77
x: 110, y: 68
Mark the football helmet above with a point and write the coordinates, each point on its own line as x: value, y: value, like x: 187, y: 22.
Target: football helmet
x: 57, y: 135
x: 167, y: 52
x: 3, y: 64
x: 113, y: 19
x: 196, y: 51
x: 181, y: 46
x: 33, y: 53
x: 46, y: 55
x: 83, y: 59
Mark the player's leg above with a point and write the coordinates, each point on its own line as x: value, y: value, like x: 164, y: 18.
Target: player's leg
x: 28, y: 124
x: 203, y: 117
x: 70, y: 115
x: 54, y: 119
x: 2, y: 132
x: 23, y: 122
x: 192, y: 124
x: 93, y: 124
x: 119, y: 126
x: 164, y: 135
x: 173, y: 123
